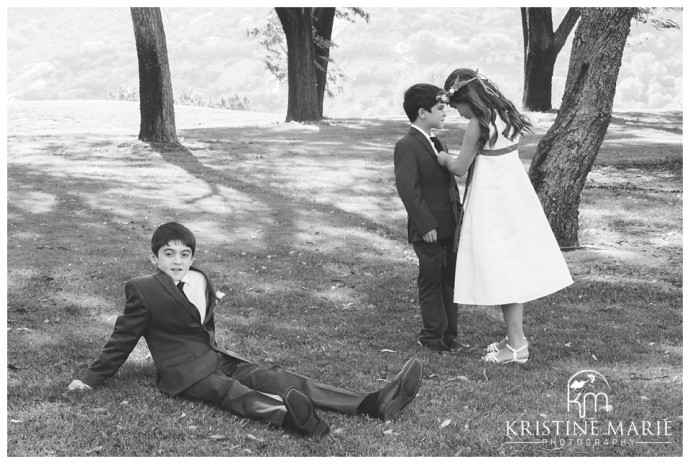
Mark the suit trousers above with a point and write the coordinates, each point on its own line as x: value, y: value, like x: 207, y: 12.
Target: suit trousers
x: 435, y: 282
x: 245, y: 389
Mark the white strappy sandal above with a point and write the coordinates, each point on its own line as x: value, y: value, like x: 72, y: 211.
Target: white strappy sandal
x: 495, y: 347
x: 492, y: 358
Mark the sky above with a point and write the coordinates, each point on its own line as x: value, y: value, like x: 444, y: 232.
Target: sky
x: 87, y: 53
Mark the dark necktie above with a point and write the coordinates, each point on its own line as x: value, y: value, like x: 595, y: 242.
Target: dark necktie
x: 180, y: 285
x: 437, y: 144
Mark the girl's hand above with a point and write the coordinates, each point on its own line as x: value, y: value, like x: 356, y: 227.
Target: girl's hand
x: 443, y: 158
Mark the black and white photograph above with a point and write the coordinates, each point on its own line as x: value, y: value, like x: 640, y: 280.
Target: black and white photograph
x: 266, y: 232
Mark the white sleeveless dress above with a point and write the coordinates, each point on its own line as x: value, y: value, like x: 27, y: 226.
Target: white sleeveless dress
x: 507, y: 251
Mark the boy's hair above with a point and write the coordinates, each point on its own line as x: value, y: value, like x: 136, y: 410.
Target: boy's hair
x: 172, y: 232
x: 419, y: 96
x: 486, y: 101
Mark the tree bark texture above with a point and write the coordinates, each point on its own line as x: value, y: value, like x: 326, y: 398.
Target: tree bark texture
x: 303, y: 101
x: 541, y: 48
x: 566, y: 153
x: 323, y: 26
x: 155, y: 87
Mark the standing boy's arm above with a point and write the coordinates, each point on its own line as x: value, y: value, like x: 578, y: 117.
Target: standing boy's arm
x: 407, y: 184
x: 129, y: 328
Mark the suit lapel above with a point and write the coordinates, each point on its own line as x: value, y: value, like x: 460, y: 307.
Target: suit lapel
x: 424, y: 141
x: 169, y: 285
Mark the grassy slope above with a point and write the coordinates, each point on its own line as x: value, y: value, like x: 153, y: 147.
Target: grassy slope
x: 301, y: 227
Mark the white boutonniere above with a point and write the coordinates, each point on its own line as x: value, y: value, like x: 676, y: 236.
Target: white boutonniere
x: 220, y: 295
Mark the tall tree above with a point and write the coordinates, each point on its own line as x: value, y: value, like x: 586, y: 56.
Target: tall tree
x: 566, y: 153
x: 155, y: 88
x: 323, y: 18
x: 323, y: 30
x: 273, y: 38
x: 541, y: 48
x: 303, y: 101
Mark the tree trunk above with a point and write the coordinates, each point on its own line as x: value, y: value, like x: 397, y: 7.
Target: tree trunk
x: 303, y: 102
x: 566, y: 153
x: 541, y: 48
x: 155, y: 88
x: 323, y: 25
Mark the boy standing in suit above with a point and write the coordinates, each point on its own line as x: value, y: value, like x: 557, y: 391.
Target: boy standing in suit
x: 431, y: 198
x: 173, y: 310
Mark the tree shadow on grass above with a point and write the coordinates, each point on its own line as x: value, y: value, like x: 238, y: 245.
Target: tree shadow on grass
x: 304, y: 232
x: 327, y: 193
x: 88, y: 209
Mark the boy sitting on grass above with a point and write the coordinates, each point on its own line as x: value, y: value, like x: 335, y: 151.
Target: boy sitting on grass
x: 173, y: 310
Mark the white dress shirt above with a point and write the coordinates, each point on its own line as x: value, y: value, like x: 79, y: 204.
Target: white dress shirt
x: 195, y: 289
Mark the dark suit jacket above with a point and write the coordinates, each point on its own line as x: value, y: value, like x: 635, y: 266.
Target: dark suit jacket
x: 183, y: 349
x: 428, y: 191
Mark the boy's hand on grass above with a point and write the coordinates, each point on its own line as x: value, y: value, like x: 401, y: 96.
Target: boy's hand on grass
x: 78, y: 385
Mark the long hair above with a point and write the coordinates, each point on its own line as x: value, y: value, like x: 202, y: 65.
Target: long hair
x: 486, y: 101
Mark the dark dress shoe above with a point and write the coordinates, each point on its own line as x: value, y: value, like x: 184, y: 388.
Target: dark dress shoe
x: 438, y: 347
x: 452, y: 344
x: 301, y: 415
x: 401, y: 391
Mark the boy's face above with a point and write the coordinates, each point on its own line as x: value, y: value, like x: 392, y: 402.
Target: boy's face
x: 434, y: 119
x: 174, y: 259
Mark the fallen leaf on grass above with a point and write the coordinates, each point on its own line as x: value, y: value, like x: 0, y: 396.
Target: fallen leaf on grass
x: 94, y: 450
x: 445, y: 423
x: 16, y: 421
x: 568, y: 344
x: 217, y: 437
x: 644, y: 398
x: 386, y: 350
x: 252, y: 437
x: 594, y: 357
x: 390, y: 432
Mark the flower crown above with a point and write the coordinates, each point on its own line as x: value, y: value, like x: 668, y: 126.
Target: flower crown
x: 445, y: 95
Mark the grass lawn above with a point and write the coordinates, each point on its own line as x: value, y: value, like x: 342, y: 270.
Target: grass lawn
x: 302, y: 229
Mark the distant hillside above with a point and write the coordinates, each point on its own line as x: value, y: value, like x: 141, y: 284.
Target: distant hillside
x: 87, y: 53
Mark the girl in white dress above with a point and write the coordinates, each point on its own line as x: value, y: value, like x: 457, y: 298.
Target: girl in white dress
x: 507, y: 253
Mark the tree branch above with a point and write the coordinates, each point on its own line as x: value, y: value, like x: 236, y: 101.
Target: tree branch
x: 564, y: 29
